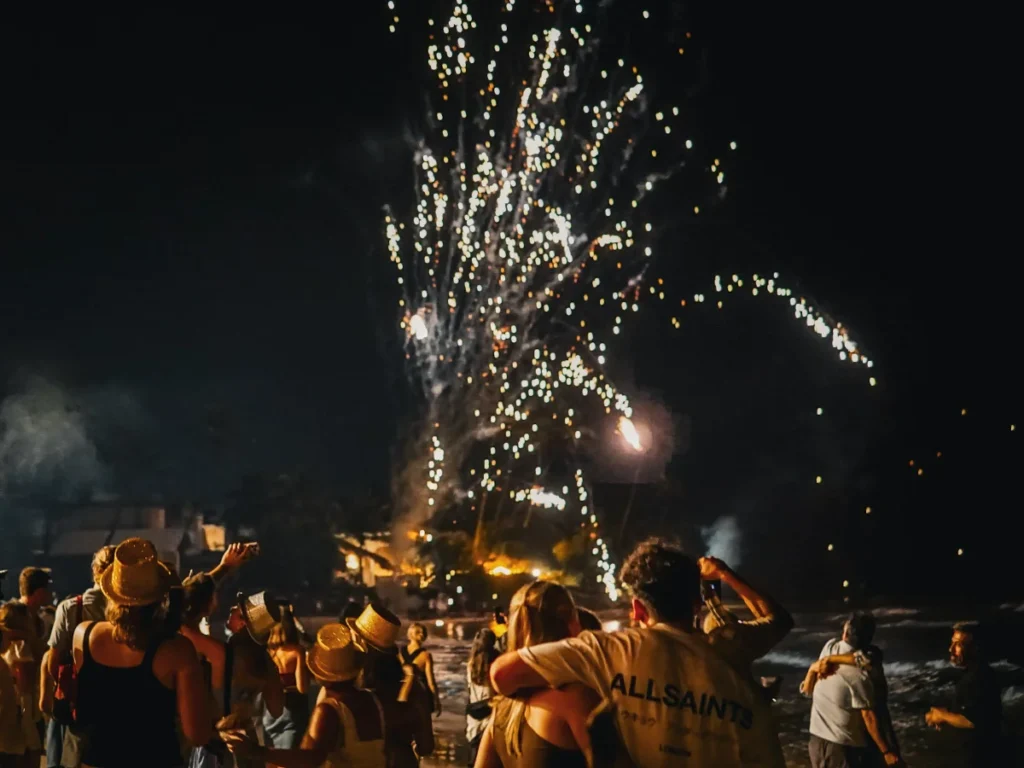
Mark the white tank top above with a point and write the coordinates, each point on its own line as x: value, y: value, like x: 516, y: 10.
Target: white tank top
x: 355, y: 753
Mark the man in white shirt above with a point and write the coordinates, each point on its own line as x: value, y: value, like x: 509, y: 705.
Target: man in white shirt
x: 675, y: 697
x: 844, y: 728
x: 63, y: 747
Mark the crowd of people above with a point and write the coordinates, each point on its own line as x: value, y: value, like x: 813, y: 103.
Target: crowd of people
x: 130, y: 673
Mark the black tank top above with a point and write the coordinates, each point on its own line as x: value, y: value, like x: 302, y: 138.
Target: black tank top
x: 536, y: 752
x: 126, y: 714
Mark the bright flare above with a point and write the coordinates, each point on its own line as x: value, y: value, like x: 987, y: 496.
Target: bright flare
x: 628, y: 431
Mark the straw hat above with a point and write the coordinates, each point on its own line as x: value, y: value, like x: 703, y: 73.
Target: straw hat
x: 377, y: 627
x: 260, y: 613
x: 334, y: 657
x: 136, y: 577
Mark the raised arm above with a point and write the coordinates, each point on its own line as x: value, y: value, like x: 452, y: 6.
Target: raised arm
x: 760, y: 604
x: 234, y: 556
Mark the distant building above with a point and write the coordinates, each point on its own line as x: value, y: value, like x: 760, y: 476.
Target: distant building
x: 64, y: 537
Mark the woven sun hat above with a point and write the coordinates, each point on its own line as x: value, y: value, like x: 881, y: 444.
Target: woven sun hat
x: 376, y: 627
x: 260, y: 613
x: 136, y: 577
x: 334, y: 657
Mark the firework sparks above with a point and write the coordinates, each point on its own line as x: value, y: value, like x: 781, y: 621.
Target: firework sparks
x: 527, y: 251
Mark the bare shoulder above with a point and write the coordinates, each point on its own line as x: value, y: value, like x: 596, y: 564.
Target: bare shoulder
x: 81, y: 629
x: 580, y: 695
x: 177, y: 649
x: 573, y: 697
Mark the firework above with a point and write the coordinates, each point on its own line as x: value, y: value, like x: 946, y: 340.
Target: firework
x: 527, y: 251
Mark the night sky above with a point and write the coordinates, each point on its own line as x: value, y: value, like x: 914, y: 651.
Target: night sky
x: 193, y: 258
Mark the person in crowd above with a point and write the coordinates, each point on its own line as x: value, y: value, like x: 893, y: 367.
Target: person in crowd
x: 589, y: 620
x: 63, y: 743
x: 976, y: 713
x: 15, y: 627
x: 547, y: 727
x: 742, y: 642
x: 24, y: 657
x: 348, y: 725
x: 499, y: 626
x: 351, y: 610
x: 478, y: 681
x: 422, y: 662
x: 675, y: 696
x: 234, y: 680
x: 135, y: 679
x: 869, y: 659
x: 290, y: 659
x: 844, y: 720
x: 406, y: 700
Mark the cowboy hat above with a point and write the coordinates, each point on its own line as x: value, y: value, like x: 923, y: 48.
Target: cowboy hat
x: 334, y: 657
x: 376, y: 627
x: 136, y: 577
x: 260, y: 612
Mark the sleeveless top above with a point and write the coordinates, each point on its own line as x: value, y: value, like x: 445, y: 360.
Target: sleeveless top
x: 364, y: 738
x: 126, y: 714
x: 535, y: 752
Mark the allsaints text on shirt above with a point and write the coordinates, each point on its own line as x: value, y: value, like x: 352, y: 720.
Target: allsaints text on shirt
x: 673, y: 696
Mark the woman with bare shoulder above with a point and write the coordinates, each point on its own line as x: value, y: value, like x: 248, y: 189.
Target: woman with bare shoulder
x: 135, y: 678
x: 545, y: 727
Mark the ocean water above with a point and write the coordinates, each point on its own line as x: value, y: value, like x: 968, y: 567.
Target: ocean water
x: 914, y: 641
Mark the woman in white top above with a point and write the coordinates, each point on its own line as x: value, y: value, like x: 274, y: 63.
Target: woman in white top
x: 478, y: 682
x: 347, y: 725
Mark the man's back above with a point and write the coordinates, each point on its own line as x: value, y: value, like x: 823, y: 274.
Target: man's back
x: 675, y: 696
x: 838, y: 700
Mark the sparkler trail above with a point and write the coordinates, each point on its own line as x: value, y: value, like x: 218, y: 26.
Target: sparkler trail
x: 528, y: 249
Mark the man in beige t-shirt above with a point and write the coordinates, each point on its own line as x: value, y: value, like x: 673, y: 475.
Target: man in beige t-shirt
x: 678, y: 702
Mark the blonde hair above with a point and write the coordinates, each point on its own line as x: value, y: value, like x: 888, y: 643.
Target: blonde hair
x: 136, y: 626
x: 101, y: 561
x: 417, y: 632
x: 541, y: 612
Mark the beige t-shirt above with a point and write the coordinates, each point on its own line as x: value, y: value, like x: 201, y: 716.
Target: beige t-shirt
x: 678, y: 702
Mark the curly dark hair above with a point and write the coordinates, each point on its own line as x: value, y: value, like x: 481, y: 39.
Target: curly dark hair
x: 664, y: 577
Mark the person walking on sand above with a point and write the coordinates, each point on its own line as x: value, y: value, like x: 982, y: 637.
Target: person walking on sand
x: 421, y: 661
